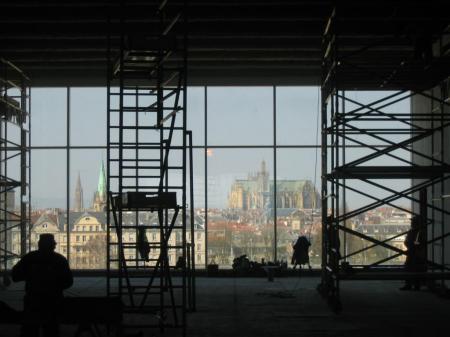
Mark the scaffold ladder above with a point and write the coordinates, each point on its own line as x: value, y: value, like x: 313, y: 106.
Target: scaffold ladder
x: 147, y: 168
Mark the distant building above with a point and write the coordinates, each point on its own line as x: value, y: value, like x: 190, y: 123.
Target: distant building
x: 100, y: 196
x: 10, y: 197
x: 390, y: 232
x: 87, y: 236
x: 257, y: 191
x: 82, y: 233
x: 78, y: 200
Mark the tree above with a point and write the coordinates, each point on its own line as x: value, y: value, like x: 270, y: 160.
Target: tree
x: 96, y: 247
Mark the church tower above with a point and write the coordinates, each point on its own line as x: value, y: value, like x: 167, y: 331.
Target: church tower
x: 263, y: 186
x: 78, y: 200
x: 100, y: 195
x: 264, y: 177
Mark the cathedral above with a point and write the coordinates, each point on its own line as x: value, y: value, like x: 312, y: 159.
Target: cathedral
x: 257, y: 192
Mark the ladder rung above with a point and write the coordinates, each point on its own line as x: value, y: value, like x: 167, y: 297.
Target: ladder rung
x: 139, y: 64
x: 138, y: 260
x: 146, y: 293
x: 144, y: 108
x: 137, y: 53
x: 132, y: 93
x: 131, y: 260
x: 153, y: 245
x: 141, y: 87
x: 153, y: 187
x: 117, y: 177
x: 152, y: 88
x: 134, y: 187
x: 135, y: 143
x: 141, y: 260
x: 153, y: 326
x: 151, y: 306
x: 142, y: 52
x: 147, y: 127
x: 137, y: 108
x: 141, y: 293
x: 137, y: 268
x: 148, y: 147
x: 144, y: 226
x: 132, y: 160
x: 127, y: 167
x: 132, y: 269
x: 128, y: 109
x: 147, y: 307
x: 153, y: 287
x: 156, y: 225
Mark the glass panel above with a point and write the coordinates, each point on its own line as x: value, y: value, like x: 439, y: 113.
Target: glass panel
x: 385, y: 222
x: 87, y: 217
x: 240, y: 116
x: 199, y: 209
x: 387, y: 218
x: 298, y: 203
x: 48, y: 192
x: 298, y: 109
x: 239, y: 205
x: 49, y: 116
x: 196, y: 114
x: 198, y: 179
x: 381, y: 127
x: 88, y: 116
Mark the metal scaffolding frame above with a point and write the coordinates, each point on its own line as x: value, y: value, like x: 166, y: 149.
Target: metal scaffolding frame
x: 14, y: 164
x: 149, y: 265
x: 389, y: 145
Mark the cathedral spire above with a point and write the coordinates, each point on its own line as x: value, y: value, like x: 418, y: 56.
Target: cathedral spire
x: 100, y: 194
x: 101, y: 187
x: 78, y: 201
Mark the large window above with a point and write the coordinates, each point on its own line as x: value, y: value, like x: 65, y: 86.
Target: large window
x: 67, y: 157
x: 256, y: 162
x: 262, y: 183
x: 235, y: 178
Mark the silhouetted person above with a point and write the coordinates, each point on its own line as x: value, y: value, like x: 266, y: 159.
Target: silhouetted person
x: 46, y: 275
x: 180, y: 263
x: 143, y: 245
x: 414, y: 260
x: 300, y: 255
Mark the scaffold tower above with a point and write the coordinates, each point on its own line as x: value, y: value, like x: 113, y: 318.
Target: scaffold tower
x: 147, y: 263
x: 14, y: 165
x: 377, y: 150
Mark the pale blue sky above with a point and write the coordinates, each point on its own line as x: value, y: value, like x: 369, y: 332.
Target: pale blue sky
x: 236, y: 116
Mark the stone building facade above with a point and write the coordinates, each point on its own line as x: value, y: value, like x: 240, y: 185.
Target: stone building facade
x: 81, y: 233
x: 87, y: 237
x: 257, y: 192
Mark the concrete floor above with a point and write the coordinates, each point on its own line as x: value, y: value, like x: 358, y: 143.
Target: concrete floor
x: 290, y: 307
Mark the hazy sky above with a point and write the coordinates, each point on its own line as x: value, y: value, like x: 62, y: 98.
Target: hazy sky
x: 236, y: 116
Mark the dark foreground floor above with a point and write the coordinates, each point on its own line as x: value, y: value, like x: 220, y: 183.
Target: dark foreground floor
x: 291, y: 307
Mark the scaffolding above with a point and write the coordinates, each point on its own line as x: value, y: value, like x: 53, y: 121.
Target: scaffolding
x: 377, y: 152
x: 14, y: 164
x: 149, y: 265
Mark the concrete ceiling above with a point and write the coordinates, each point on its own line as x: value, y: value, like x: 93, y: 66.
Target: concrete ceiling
x: 231, y: 42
